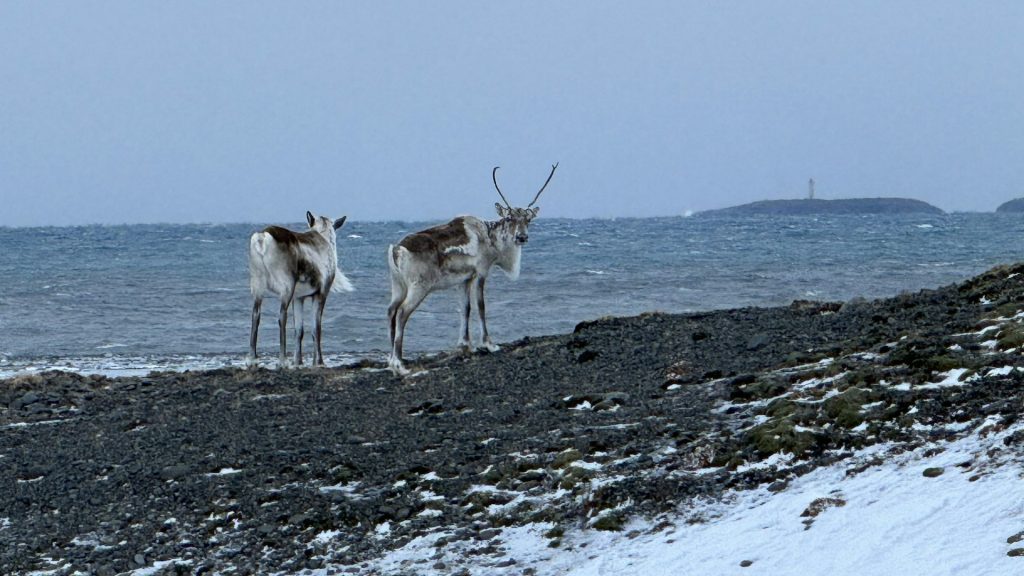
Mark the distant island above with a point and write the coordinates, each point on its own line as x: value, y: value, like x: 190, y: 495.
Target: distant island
x: 1015, y: 205
x: 843, y: 206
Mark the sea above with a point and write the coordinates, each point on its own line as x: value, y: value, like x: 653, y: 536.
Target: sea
x: 130, y: 299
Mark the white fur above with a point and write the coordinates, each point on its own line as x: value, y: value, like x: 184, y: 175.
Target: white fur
x: 512, y: 262
x: 341, y: 283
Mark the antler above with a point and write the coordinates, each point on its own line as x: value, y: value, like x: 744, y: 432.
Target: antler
x: 494, y: 176
x: 553, y: 166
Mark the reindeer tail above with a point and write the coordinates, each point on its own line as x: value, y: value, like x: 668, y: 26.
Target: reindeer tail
x: 258, y: 275
x: 341, y: 283
x: 395, y: 254
x: 392, y: 258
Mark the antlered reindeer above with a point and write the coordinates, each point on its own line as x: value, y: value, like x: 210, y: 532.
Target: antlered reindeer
x: 459, y: 253
x: 295, y: 266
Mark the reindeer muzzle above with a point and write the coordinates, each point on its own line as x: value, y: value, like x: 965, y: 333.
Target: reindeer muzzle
x: 521, y: 239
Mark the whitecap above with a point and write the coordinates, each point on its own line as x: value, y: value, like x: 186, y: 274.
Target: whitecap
x: 596, y: 272
x: 354, y: 236
x: 111, y: 345
x: 924, y: 226
x: 584, y: 244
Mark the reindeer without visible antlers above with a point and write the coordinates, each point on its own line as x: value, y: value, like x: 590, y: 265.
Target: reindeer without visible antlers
x: 295, y: 266
x: 459, y: 253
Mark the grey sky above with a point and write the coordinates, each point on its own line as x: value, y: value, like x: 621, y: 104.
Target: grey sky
x: 155, y: 111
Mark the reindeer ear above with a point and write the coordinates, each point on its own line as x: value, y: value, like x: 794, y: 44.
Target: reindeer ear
x: 340, y: 222
x: 501, y: 210
x: 534, y: 212
x: 310, y: 218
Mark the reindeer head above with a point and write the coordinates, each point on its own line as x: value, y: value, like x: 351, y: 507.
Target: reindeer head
x: 323, y: 224
x: 518, y: 219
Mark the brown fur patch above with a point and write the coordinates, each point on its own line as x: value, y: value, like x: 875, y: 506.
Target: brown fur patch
x: 437, y: 239
x: 282, y: 236
x: 286, y: 237
x: 308, y: 273
x: 300, y: 268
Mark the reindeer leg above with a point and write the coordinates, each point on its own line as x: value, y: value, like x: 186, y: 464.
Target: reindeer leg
x: 398, y: 293
x: 397, y: 297
x: 412, y: 300
x: 282, y: 321
x: 465, y: 344
x: 321, y: 301
x: 257, y: 303
x: 481, y: 309
x: 300, y: 329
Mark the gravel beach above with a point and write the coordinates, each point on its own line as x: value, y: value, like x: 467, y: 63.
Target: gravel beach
x: 245, y: 472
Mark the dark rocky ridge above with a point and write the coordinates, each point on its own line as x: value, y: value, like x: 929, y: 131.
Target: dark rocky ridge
x: 237, y: 470
x: 841, y: 206
x: 1015, y: 205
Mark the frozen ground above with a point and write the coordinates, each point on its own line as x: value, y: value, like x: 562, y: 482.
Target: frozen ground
x: 887, y: 519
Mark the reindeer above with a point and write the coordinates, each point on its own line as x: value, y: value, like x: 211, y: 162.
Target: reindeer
x: 459, y: 253
x: 295, y: 266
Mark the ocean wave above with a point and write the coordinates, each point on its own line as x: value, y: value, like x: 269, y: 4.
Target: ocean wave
x: 114, y: 366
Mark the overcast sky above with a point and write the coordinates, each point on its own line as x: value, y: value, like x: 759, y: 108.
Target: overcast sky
x: 156, y: 111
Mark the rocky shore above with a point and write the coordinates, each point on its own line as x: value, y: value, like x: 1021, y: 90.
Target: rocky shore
x: 326, y: 470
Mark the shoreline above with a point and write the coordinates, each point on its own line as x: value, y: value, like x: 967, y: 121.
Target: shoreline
x: 583, y: 433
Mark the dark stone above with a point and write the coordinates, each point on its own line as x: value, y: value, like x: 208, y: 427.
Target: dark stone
x: 28, y: 399
x: 746, y: 564
x: 488, y: 533
x: 757, y: 342
x: 174, y: 472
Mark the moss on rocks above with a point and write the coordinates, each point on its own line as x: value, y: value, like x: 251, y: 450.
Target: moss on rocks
x: 780, y: 436
x: 610, y: 521
x: 845, y: 409
x: 1012, y: 336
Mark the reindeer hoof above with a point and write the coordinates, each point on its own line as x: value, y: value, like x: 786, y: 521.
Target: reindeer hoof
x: 397, y: 368
x: 284, y: 364
x: 251, y: 362
x: 490, y: 347
x: 464, y: 347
